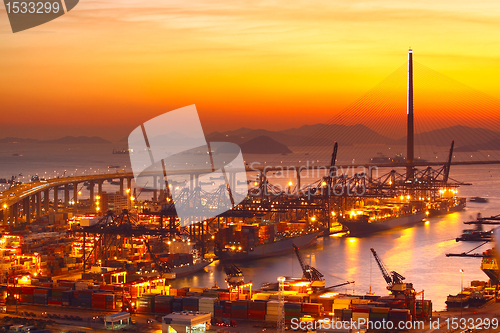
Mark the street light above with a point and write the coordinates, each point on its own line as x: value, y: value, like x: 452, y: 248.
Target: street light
x: 461, y: 292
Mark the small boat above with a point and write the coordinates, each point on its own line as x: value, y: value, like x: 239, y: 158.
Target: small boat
x: 478, y: 199
x: 475, y: 235
x: 17, y: 154
x: 206, y: 183
x: 113, y: 166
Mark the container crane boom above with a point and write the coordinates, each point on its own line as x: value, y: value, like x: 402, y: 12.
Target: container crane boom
x: 163, y: 268
x: 394, y: 280
x: 310, y: 273
x: 380, y: 264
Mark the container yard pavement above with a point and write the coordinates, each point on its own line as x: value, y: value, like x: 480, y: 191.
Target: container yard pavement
x: 87, y: 325
x: 490, y: 310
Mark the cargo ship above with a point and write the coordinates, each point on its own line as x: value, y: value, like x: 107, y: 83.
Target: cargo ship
x: 489, y: 266
x: 372, y: 219
x: 196, y: 266
x: 362, y: 226
x: 247, y: 242
x: 457, y: 301
x: 446, y: 206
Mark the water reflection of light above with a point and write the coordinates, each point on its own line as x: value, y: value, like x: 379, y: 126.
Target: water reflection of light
x: 352, y: 255
x: 313, y: 260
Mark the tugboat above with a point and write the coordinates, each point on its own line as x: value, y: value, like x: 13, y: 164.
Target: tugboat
x: 476, y: 235
x: 478, y: 199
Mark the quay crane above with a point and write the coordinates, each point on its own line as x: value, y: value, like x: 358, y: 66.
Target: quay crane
x: 164, y: 269
x: 234, y: 275
x: 310, y: 273
x: 399, y: 289
x: 394, y: 280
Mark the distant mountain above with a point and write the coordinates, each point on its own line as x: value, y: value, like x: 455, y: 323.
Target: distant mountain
x: 66, y: 139
x: 490, y: 145
x: 324, y: 134
x: 264, y: 145
x: 17, y: 140
x: 464, y: 136
x: 307, y: 135
x: 242, y: 135
x: 78, y: 140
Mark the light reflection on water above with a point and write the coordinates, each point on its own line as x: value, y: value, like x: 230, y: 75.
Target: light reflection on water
x: 417, y: 253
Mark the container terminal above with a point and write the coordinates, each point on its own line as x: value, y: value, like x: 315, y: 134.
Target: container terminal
x: 114, y: 252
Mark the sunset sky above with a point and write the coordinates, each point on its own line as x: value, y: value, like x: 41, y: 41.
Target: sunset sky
x: 106, y: 67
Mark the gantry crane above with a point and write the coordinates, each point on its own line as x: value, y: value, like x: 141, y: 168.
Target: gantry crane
x: 234, y: 275
x: 394, y: 280
x: 164, y: 269
x: 310, y: 273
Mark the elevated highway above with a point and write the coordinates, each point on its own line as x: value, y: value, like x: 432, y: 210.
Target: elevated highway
x: 26, y: 200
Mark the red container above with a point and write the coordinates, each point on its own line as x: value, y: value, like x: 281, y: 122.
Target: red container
x: 27, y: 290
x: 260, y: 317
x: 240, y: 314
x: 258, y: 306
x: 162, y: 309
x: 107, y: 287
x: 314, y: 308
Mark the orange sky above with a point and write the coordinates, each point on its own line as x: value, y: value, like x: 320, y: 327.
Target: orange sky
x: 106, y: 67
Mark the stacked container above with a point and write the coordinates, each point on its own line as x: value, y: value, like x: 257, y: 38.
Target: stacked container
x: 379, y: 314
x: 292, y: 310
x: 341, y: 303
x: 346, y: 314
x: 56, y: 298
x: 146, y: 303
x: 219, y: 309
x: 163, y: 304
x: 41, y: 295
x: 399, y: 315
x: 67, y: 284
x: 206, y: 305
x: 177, y: 304
x: 239, y: 309
x: 227, y: 309
x: 103, y: 301
x: 266, y: 234
x: 26, y: 294
x: 361, y: 312
x: 190, y: 303
x: 257, y: 310
x: 67, y: 297
x: 312, y: 309
x: 272, y: 311
x: 85, y: 298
